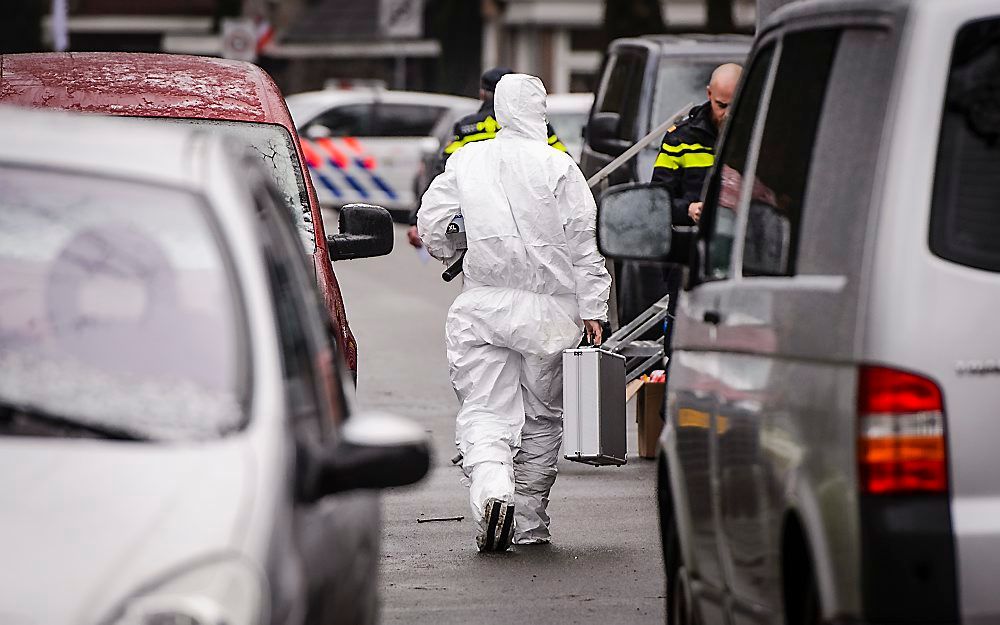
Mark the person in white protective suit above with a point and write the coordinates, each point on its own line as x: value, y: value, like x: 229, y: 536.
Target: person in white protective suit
x: 534, y: 283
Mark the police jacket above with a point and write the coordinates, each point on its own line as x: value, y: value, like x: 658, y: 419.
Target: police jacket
x: 686, y: 155
x: 482, y: 125
x: 478, y: 126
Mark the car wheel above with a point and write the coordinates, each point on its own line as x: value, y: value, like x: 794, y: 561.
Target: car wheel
x: 810, y: 614
x: 679, y: 607
x: 682, y: 612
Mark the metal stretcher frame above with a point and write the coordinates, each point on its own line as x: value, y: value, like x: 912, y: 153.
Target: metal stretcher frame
x: 640, y: 354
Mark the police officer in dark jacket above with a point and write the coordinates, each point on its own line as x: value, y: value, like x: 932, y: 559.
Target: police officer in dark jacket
x: 687, y: 153
x: 688, y: 149
x: 478, y: 126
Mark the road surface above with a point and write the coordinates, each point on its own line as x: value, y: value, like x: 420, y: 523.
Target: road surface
x: 604, y: 565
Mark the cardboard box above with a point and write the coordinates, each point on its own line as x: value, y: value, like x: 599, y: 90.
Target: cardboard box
x: 648, y: 412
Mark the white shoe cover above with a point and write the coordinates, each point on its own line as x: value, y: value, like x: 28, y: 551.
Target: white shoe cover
x: 489, y: 479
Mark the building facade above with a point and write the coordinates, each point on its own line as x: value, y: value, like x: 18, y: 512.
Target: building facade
x: 562, y: 41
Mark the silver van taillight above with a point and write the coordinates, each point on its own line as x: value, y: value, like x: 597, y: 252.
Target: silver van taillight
x: 901, y: 433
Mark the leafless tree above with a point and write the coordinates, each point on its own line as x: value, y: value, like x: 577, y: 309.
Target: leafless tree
x: 630, y: 18
x: 720, y: 16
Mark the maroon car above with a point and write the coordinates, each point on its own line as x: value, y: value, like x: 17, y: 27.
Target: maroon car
x: 228, y: 97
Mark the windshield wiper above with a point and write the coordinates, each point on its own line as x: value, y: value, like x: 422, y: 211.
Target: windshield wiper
x: 11, y: 413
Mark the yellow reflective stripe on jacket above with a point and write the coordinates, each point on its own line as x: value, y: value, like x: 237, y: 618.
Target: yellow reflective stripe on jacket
x: 557, y: 144
x: 685, y: 147
x: 452, y: 147
x: 684, y: 161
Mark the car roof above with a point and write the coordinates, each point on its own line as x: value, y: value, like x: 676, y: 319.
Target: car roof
x: 142, y: 85
x: 690, y: 44
x: 807, y: 9
x: 310, y: 103
x: 98, y: 145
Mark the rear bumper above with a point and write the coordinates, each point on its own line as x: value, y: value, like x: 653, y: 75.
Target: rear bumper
x: 977, y: 537
x: 908, y: 570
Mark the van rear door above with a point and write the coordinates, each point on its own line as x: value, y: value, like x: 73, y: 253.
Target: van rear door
x: 936, y: 267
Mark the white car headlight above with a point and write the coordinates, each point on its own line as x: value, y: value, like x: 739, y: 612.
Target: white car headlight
x: 218, y: 592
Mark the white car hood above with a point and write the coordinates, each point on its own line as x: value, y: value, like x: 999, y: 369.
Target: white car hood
x: 86, y: 523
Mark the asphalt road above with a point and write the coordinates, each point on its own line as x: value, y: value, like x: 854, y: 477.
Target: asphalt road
x: 604, y: 565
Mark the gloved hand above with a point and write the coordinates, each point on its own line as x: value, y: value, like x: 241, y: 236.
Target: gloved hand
x: 592, y: 328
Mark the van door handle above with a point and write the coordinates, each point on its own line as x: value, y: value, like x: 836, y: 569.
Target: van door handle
x: 713, y: 317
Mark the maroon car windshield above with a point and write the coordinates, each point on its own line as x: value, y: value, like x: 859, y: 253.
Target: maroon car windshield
x: 117, y: 311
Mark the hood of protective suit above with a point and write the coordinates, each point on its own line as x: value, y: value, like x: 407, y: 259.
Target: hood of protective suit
x: 530, y: 223
x: 519, y: 102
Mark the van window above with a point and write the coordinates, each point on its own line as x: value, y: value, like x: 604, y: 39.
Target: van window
x: 623, y: 90
x: 680, y: 83
x: 727, y: 180
x: 779, y: 186
x: 965, y: 214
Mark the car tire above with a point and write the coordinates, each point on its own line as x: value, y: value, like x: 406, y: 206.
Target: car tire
x: 683, y: 607
x: 810, y: 613
x: 679, y: 602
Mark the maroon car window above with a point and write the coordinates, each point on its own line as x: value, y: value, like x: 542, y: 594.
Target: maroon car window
x: 117, y: 311
x: 274, y: 146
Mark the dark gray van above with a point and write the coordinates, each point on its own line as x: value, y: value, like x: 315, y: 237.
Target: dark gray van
x: 644, y: 82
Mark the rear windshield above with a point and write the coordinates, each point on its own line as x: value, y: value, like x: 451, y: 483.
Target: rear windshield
x: 569, y: 129
x: 681, y: 84
x: 274, y: 146
x: 117, y: 311
x: 965, y: 215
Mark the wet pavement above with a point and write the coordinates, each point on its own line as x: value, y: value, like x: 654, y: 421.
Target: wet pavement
x: 604, y: 564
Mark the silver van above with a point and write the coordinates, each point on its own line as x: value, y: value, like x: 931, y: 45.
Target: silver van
x: 830, y: 446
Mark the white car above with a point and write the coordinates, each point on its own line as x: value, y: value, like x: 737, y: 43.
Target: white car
x: 568, y: 112
x: 366, y: 145
x: 171, y: 408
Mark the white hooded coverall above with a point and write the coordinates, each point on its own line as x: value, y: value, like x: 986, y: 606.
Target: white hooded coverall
x: 532, y: 274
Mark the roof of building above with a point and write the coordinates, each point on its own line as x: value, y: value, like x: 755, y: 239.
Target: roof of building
x: 329, y: 20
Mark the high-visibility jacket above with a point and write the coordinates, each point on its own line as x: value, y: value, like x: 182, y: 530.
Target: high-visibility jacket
x: 482, y: 125
x: 686, y: 155
x: 478, y: 126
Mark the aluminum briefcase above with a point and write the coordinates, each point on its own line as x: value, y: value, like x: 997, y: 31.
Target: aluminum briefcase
x: 593, y: 406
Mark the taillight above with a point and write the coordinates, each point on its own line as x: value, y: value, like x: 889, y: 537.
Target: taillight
x: 901, y: 442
